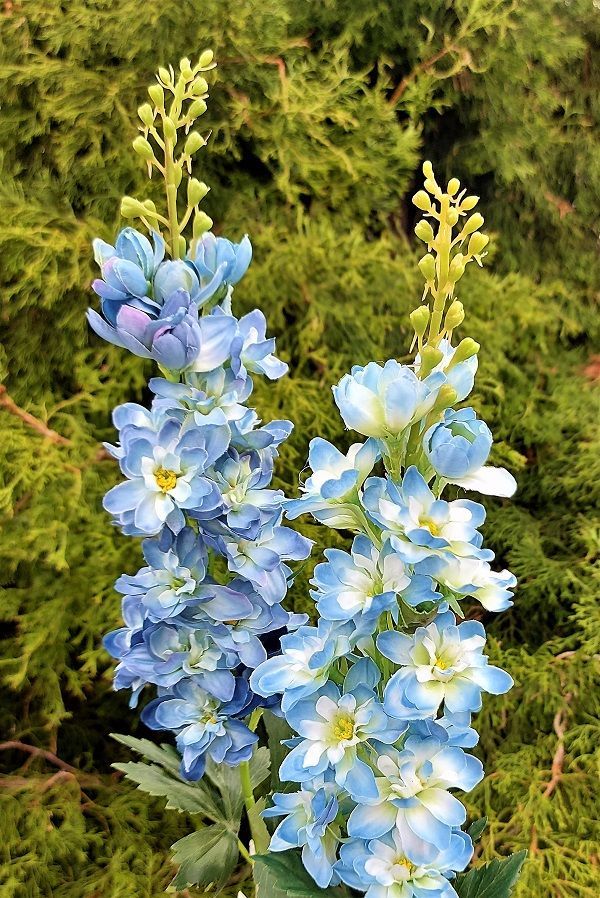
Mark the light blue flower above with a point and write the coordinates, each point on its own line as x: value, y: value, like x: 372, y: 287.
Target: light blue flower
x: 472, y: 577
x: 175, y: 337
x: 460, y: 376
x: 127, y: 272
x: 215, y: 397
x: 383, y: 401
x: 412, y: 795
x: 334, y: 727
x: 221, y: 263
x: 253, y: 351
x: 457, y: 449
x: 420, y: 525
x: 303, y: 665
x: 260, y: 560
x: 383, y: 868
x: 440, y: 663
x: 310, y: 823
x: 166, y: 477
x: 330, y: 493
x: 204, y: 725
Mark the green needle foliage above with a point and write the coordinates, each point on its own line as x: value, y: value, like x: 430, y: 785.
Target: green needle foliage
x: 321, y: 114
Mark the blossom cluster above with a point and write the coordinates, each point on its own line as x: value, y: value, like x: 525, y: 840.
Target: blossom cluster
x: 197, y: 469
x: 380, y: 693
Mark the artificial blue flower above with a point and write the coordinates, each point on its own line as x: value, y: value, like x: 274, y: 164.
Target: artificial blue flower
x: 330, y: 493
x: 333, y: 727
x: 253, y: 351
x: 310, y: 823
x: 166, y: 476
x: 457, y: 449
x: 383, y: 401
x: 420, y: 525
x: 384, y: 868
x: 440, y: 663
x: 127, y: 272
x: 175, y: 338
x: 204, y: 725
x: 303, y: 665
x: 471, y: 577
x: 221, y: 263
x: 412, y: 795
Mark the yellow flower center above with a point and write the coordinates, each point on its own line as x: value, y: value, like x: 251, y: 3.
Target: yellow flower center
x: 343, y: 728
x: 441, y: 664
x: 404, y: 862
x: 165, y: 479
x: 429, y: 525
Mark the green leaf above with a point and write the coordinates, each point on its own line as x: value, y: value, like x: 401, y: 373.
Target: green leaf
x: 227, y: 780
x: 166, y: 755
x: 283, y: 876
x: 194, y: 798
x: 205, y: 858
x: 494, y: 880
x: 476, y: 828
x: 260, y: 833
x: 260, y: 766
x: 277, y: 730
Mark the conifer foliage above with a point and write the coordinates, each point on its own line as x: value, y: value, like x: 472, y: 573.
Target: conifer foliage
x: 321, y: 115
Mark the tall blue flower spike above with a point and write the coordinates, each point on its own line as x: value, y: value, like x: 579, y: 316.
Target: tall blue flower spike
x: 380, y: 693
x: 197, y: 466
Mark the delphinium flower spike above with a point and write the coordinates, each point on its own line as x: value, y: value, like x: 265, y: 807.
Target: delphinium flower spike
x: 381, y: 692
x: 197, y: 465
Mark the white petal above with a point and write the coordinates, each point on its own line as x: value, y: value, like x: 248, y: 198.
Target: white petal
x: 490, y: 481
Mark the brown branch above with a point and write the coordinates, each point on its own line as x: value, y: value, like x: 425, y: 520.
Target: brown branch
x: 11, y: 406
x: 423, y: 66
x: 49, y: 756
x: 559, y: 755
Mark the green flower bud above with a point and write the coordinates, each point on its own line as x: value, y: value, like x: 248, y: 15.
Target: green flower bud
x: 182, y: 246
x: 197, y: 108
x: 150, y: 209
x: 457, y: 268
x: 202, y: 223
x: 455, y: 315
x: 473, y: 223
x: 477, y: 243
x: 196, y: 191
x: 143, y: 148
x: 430, y: 357
x: 430, y: 185
x: 200, y: 86
x: 420, y: 319
x: 170, y: 130
x: 206, y: 59
x: 445, y: 398
x: 452, y: 216
x: 131, y: 208
x: 422, y: 201
x: 453, y: 185
x: 469, y: 203
x: 466, y: 349
x: 428, y: 170
x: 157, y: 95
x: 185, y: 67
x: 177, y: 173
x: 193, y: 143
x: 146, y: 114
x: 165, y: 76
x: 424, y: 231
x: 427, y: 267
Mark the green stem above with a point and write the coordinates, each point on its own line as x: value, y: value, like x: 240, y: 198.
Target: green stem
x: 247, y: 793
x: 443, y: 240
x: 171, y: 198
x: 244, y: 852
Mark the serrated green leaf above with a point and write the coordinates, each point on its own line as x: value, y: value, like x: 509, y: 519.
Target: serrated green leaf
x: 205, y: 858
x: 260, y: 766
x: 194, y: 798
x: 260, y: 833
x: 227, y: 780
x: 476, y: 828
x: 277, y: 730
x: 494, y: 880
x: 164, y: 754
x: 283, y: 876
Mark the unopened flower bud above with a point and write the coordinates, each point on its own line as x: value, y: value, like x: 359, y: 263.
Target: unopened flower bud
x: 200, y: 86
x: 430, y: 357
x: 206, y: 58
x: 452, y: 216
x: 197, y: 108
x: 424, y: 231
x: 473, y: 223
x: 477, y: 243
x: 131, y: 208
x: 165, y: 76
x: 453, y: 185
x: 427, y: 267
x: 422, y: 201
x: 146, y: 114
x: 157, y: 95
x: 419, y: 320
x: 196, y: 191
x: 170, y: 130
x: 430, y: 185
x: 150, y: 208
x: 182, y: 246
x: 177, y: 173
x: 193, y: 143
x: 185, y: 67
x: 202, y: 223
x: 445, y: 398
x: 455, y: 315
x: 143, y: 148
x: 428, y: 169
x: 466, y: 349
x: 469, y: 203
x: 457, y: 268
